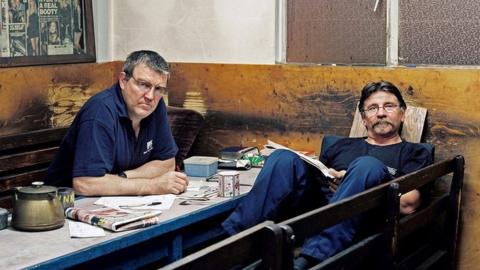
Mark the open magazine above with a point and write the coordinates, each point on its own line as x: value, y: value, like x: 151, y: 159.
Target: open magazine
x: 116, y: 220
x: 314, y: 162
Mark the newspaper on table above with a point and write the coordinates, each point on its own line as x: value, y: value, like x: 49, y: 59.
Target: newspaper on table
x: 121, y: 213
x: 116, y: 220
x: 314, y: 162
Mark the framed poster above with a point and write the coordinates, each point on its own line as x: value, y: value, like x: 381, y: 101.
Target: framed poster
x: 38, y: 32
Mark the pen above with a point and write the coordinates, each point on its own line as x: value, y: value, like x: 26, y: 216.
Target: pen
x: 154, y: 203
x: 140, y: 205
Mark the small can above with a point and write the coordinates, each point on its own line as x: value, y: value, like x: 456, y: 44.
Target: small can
x: 228, y: 184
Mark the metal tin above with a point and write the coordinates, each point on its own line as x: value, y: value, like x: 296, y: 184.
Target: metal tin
x: 67, y: 197
x: 200, y: 166
x: 228, y: 184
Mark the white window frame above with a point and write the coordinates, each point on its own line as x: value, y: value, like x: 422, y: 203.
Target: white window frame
x: 281, y: 31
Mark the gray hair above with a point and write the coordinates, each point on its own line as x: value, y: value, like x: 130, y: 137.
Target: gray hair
x: 384, y: 86
x: 150, y: 58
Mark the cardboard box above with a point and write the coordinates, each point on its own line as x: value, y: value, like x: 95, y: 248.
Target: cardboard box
x: 201, y: 166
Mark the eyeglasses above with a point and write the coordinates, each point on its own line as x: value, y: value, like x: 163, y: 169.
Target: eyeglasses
x: 373, y: 110
x: 145, y: 87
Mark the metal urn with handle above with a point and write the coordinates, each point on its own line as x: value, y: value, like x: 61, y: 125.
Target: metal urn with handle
x: 37, y: 208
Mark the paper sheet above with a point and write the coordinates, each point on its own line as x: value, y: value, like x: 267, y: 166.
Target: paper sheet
x: 153, y: 202
x: 200, y: 190
x: 314, y: 162
x: 83, y: 230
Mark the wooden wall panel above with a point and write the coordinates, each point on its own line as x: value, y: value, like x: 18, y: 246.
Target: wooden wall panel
x: 257, y: 102
x: 25, y: 98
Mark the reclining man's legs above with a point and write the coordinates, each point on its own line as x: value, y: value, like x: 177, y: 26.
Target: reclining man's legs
x: 362, y: 174
x: 283, y: 187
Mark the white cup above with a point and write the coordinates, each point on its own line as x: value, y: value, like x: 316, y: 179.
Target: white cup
x: 228, y: 184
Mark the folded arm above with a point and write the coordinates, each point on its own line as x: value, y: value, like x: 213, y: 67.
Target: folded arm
x: 152, y: 178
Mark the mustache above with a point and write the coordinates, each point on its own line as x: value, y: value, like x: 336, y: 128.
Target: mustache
x: 382, y: 122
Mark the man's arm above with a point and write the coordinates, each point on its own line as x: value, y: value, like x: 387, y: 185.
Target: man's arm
x: 409, y: 202
x: 420, y: 157
x: 152, y: 169
x: 154, y: 177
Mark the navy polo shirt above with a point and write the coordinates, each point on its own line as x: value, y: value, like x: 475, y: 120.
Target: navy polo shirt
x: 101, y: 140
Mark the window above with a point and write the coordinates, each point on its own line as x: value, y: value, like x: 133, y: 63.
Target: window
x: 369, y: 32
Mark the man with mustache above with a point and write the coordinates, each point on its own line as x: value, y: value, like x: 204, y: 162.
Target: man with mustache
x: 120, y: 142
x: 286, y: 186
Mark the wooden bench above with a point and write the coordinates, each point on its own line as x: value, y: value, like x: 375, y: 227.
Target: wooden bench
x: 425, y: 239
x: 25, y: 157
x: 259, y: 247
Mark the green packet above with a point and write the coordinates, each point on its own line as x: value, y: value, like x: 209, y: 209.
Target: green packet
x: 255, y: 160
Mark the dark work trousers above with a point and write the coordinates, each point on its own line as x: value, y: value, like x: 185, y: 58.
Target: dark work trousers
x: 286, y: 186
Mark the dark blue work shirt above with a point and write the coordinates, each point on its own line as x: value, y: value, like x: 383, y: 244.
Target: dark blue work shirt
x: 101, y: 140
x: 400, y: 158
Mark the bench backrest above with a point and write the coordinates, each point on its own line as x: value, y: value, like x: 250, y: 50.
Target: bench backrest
x: 185, y: 125
x: 24, y: 158
x: 430, y: 234
x: 260, y: 245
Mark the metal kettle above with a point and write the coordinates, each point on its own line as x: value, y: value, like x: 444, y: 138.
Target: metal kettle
x: 37, y: 208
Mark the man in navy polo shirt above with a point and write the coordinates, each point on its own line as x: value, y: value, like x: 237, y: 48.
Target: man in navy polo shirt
x: 120, y: 142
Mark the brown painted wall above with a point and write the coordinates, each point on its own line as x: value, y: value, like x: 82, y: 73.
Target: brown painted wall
x: 30, y: 96
x: 297, y: 105
x: 248, y: 104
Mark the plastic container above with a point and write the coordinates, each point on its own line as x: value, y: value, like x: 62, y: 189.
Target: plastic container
x: 201, y: 166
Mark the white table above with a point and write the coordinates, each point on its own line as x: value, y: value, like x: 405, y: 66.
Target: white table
x: 182, y: 226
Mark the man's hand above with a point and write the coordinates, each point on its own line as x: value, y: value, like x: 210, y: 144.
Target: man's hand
x: 337, y: 180
x: 409, y: 202
x: 172, y: 182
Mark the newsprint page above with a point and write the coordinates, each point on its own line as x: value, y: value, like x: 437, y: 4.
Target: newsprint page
x: 41, y: 27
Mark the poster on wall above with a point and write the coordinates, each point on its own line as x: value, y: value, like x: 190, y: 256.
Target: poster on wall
x: 37, y: 32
